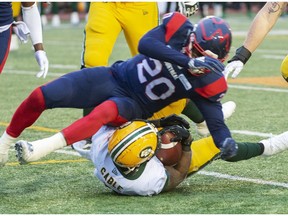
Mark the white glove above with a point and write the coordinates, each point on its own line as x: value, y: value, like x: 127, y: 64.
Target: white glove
x: 43, y: 62
x: 235, y: 67
x: 21, y: 30
x: 188, y: 8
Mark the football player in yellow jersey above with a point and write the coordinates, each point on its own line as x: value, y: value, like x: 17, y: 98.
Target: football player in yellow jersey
x: 16, y: 7
x: 131, y: 148
x: 105, y: 22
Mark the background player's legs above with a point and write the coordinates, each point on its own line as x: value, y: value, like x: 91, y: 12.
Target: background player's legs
x: 137, y: 18
x: 100, y: 35
x: 5, y: 38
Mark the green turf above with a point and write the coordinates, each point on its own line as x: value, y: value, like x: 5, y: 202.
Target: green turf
x: 70, y: 188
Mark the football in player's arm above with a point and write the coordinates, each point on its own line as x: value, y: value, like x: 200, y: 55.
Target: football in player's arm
x: 125, y: 158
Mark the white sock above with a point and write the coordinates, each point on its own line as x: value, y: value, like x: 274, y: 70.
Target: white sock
x: 6, y: 140
x: 46, y: 146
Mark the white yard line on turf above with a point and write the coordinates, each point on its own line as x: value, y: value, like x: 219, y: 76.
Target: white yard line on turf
x: 239, y: 178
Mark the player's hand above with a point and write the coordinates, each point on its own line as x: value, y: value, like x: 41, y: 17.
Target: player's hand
x: 228, y: 149
x: 188, y: 8
x: 182, y: 135
x: 234, y: 67
x: 205, y: 62
x: 43, y: 63
x: 174, y: 120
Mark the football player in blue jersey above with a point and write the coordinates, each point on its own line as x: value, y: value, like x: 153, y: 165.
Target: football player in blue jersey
x: 31, y: 25
x: 175, y: 63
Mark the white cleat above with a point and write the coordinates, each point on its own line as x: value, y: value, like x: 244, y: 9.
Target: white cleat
x: 3, y: 156
x: 56, y: 22
x: 275, y: 144
x: 228, y: 109
x: 24, y: 152
x: 74, y: 19
x: 202, y: 129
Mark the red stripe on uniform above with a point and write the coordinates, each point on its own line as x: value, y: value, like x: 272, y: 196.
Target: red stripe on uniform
x: 6, y: 52
x: 173, y: 25
x: 213, y: 89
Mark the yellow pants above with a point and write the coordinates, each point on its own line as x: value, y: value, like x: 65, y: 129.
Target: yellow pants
x: 105, y: 22
x: 203, y: 152
x: 173, y: 108
x: 16, y: 7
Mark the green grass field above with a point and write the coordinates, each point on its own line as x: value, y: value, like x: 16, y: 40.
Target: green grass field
x: 63, y: 183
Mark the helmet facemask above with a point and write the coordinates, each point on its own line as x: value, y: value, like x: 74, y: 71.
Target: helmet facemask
x: 210, y: 37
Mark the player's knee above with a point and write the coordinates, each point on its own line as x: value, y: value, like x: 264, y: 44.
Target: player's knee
x: 56, y: 95
x: 105, y: 112
x: 96, y: 57
x: 36, y: 99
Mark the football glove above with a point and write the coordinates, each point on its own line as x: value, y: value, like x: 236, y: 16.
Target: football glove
x: 228, y: 148
x: 236, y: 64
x: 235, y: 67
x: 188, y: 8
x: 205, y: 62
x: 174, y: 120
x: 182, y: 135
x: 43, y: 63
x: 21, y: 30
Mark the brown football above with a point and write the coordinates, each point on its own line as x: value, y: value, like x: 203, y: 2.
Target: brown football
x: 169, y: 152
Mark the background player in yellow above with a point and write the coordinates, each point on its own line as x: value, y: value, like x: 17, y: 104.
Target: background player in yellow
x: 105, y: 22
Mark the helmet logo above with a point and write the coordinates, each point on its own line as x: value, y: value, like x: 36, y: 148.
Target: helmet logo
x: 145, y: 152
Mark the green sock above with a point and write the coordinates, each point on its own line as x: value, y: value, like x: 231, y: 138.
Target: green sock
x: 55, y: 8
x: 193, y: 113
x: 74, y: 6
x: 87, y: 111
x: 247, y: 150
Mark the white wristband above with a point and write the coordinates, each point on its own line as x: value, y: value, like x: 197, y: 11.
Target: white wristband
x: 31, y: 17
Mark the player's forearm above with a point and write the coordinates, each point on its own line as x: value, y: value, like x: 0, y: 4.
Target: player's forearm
x: 31, y: 17
x: 178, y: 173
x: 184, y: 164
x: 262, y: 24
x: 153, y: 45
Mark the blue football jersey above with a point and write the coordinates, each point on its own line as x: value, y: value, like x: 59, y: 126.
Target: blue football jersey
x: 6, y: 14
x: 161, y: 76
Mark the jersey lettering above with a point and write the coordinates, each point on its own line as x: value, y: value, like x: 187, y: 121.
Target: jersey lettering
x: 110, y: 180
x: 144, y: 68
x: 148, y: 69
